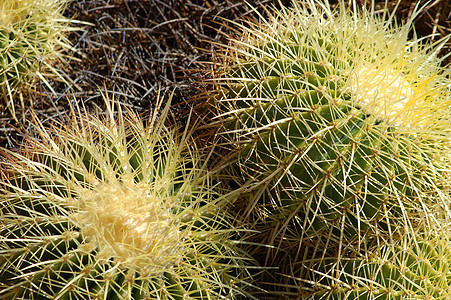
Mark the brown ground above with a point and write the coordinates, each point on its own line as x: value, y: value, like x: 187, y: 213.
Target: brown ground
x: 135, y: 48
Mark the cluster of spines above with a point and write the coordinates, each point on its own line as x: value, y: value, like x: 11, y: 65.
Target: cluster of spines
x: 32, y: 37
x: 297, y: 124
x: 339, y: 128
x: 326, y: 164
x: 412, y: 267
x: 112, y: 209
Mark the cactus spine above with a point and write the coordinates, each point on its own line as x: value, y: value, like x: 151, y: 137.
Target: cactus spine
x: 339, y: 124
x: 32, y: 35
x: 114, y: 209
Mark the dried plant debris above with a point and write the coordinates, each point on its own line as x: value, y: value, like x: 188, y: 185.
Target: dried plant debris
x: 139, y: 47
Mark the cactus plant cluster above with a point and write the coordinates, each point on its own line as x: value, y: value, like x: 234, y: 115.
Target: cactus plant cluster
x: 330, y: 168
x: 114, y: 209
x: 338, y: 126
x: 32, y: 37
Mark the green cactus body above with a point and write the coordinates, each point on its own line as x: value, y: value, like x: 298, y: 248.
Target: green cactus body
x: 416, y: 268
x: 115, y: 210
x: 337, y: 122
x: 32, y: 35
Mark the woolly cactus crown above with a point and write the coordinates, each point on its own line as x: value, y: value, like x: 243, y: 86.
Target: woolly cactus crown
x: 112, y: 208
x: 397, y: 79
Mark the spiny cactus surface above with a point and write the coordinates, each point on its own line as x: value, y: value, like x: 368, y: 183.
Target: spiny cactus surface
x: 115, y: 208
x: 417, y: 267
x: 32, y: 35
x: 339, y: 123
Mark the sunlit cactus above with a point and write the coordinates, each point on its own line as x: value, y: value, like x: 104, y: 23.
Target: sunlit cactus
x: 32, y: 38
x: 337, y: 122
x: 414, y: 267
x: 115, y: 208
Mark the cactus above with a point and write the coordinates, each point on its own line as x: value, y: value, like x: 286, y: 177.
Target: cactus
x: 115, y: 209
x: 32, y: 35
x: 415, y: 267
x: 338, y: 125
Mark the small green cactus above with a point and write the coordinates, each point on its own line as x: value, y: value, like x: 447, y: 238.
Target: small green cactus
x: 32, y: 35
x: 338, y: 123
x: 417, y: 267
x: 115, y: 209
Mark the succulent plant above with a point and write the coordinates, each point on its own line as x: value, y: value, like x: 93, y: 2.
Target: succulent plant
x: 337, y: 123
x: 414, y: 267
x: 32, y: 35
x: 115, y: 208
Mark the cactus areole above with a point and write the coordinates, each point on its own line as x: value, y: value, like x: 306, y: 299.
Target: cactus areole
x: 337, y: 116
